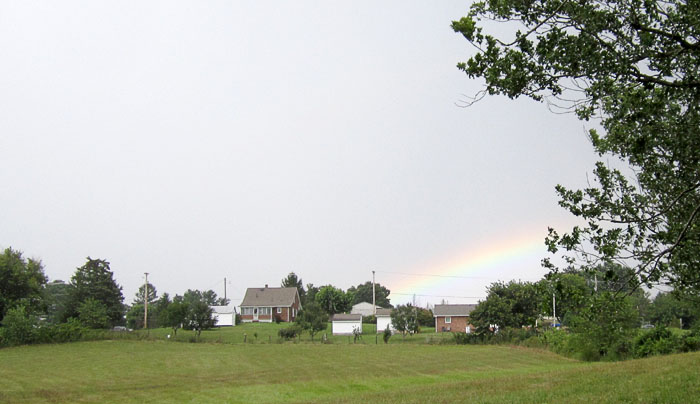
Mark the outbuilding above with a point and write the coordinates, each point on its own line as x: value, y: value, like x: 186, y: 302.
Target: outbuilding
x: 384, y: 320
x: 224, y: 315
x: 345, y: 324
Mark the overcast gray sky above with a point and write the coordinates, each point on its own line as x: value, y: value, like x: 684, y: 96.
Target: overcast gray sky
x: 203, y: 140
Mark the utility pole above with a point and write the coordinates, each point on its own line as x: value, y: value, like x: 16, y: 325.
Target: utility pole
x: 225, y: 291
x: 145, y: 303
x: 554, y: 306
x: 595, y: 286
x: 374, y: 297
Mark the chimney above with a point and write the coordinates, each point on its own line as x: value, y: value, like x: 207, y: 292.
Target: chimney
x: 266, y: 286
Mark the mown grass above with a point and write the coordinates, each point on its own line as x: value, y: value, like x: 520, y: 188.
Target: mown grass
x: 160, y: 371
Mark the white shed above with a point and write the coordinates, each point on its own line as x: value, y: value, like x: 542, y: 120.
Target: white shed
x: 384, y: 320
x: 344, y: 324
x: 224, y: 315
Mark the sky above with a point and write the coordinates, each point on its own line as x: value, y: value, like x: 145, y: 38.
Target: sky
x: 198, y: 141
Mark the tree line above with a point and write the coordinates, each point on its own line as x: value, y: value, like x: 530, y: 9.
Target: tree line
x: 32, y: 309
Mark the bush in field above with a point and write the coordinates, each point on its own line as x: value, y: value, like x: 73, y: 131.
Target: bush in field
x: 691, y: 342
x: 510, y: 335
x: 19, y: 327
x: 70, y: 331
x: 312, y: 319
x: 290, y: 332
x: 462, y: 338
x: 657, y: 341
x: 558, y: 341
x: 386, y: 335
x: 606, y: 328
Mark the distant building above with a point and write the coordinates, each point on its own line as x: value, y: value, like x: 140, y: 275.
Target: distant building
x: 364, y: 308
x: 224, y: 315
x: 266, y: 305
x: 453, y: 317
x: 345, y: 324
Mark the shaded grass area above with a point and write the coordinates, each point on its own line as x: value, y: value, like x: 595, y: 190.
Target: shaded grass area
x: 158, y: 371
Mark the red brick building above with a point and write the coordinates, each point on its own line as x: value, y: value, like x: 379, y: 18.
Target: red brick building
x: 266, y: 305
x: 453, y: 317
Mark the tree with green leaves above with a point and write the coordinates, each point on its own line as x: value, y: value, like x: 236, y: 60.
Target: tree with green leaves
x: 55, y: 297
x: 134, y: 316
x: 312, y: 319
x: 363, y: 293
x: 21, y: 282
x: 293, y: 281
x: 93, y: 314
x: 605, y: 328
x: 174, y: 315
x: 404, y: 318
x: 199, y: 317
x: 332, y: 300
x: 208, y: 296
x: 675, y: 309
x: 95, y: 280
x: 152, y: 294
x: 571, y: 291
x: 310, y: 295
x: 632, y: 64
x: 513, y: 304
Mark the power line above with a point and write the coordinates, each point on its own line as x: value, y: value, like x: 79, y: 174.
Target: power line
x: 448, y: 276
x: 453, y: 297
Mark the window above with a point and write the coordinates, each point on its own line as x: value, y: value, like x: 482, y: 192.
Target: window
x: 265, y: 311
x: 279, y: 310
x: 246, y: 311
x: 448, y: 320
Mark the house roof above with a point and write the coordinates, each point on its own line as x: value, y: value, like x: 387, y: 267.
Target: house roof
x: 441, y: 310
x: 272, y: 297
x: 223, y: 309
x: 347, y: 317
x: 362, y: 304
x: 383, y: 312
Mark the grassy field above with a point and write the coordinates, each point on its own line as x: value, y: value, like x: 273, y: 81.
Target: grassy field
x: 168, y: 372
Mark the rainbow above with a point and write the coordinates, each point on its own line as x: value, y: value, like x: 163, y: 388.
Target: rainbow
x: 470, y: 271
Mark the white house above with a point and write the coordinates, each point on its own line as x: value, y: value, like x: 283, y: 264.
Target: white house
x: 384, y: 320
x: 364, y: 308
x: 345, y: 324
x: 224, y: 315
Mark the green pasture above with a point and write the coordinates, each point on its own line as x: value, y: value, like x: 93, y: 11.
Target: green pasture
x: 160, y: 371
x: 265, y: 333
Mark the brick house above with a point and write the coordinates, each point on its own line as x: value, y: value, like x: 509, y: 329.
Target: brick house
x: 266, y: 305
x: 453, y: 317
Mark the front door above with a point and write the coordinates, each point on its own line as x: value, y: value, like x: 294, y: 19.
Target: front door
x: 255, y: 314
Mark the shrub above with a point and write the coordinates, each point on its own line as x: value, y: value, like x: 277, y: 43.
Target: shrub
x: 371, y: 319
x: 19, y: 327
x: 386, y: 334
x: 72, y: 330
x: 558, y: 341
x: 290, y: 332
x: 462, y: 338
x: 657, y: 341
